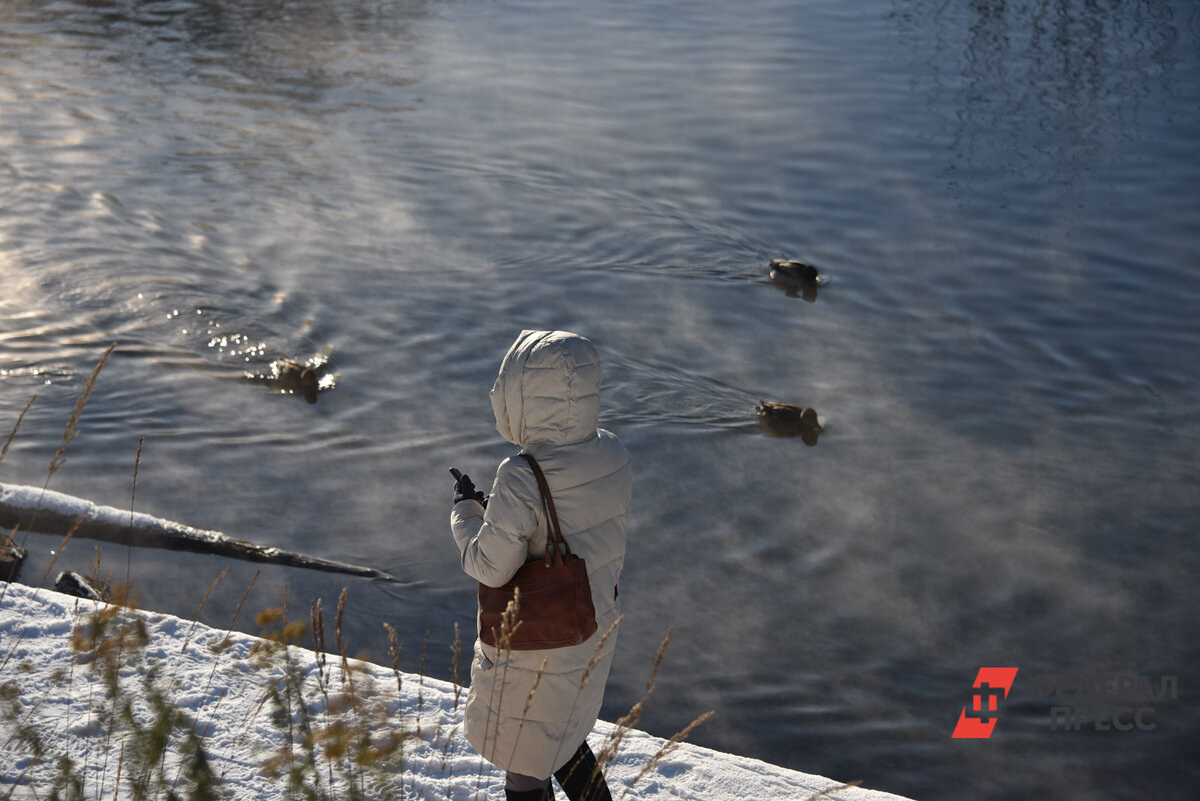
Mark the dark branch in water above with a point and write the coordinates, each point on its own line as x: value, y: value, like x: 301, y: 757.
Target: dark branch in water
x: 57, y: 513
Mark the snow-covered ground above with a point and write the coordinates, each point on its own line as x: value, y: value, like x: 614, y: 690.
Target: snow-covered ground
x: 221, y: 683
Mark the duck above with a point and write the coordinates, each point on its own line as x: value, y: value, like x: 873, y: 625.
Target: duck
x: 289, y: 376
x: 798, y: 274
x: 294, y: 376
x: 788, y: 420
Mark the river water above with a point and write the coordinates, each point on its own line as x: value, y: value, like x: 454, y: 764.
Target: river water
x: 1005, y: 197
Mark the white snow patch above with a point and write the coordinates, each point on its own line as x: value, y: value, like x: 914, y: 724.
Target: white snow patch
x: 223, y: 692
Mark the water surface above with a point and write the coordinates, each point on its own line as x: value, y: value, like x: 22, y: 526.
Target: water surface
x: 1002, y: 193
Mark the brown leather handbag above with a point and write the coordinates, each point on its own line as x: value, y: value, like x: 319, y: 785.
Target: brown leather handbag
x: 555, y: 598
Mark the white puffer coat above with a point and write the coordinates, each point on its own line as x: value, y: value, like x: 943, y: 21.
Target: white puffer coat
x: 546, y: 400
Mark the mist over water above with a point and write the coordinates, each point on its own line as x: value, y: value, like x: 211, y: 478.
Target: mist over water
x: 1003, y: 196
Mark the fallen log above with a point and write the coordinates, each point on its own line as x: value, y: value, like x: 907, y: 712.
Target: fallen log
x: 32, y: 509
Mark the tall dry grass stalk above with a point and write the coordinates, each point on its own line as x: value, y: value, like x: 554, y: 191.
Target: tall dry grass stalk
x: 196, y: 620
x: 100, y: 580
x: 347, y: 673
x: 439, y: 736
x: 221, y: 647
x: 126, y: 706
x: 421, y: 681
x: 329, y: 750
x: 394, y: 648
x: 72, y: 429
x: 626, y: 724
x: 137, y: 464
x: 66, y: 539
x: 113, y: 642
x: 125, y: 599
x: 622, y: 728
x: 585, y: 678
x: 69, y: 435
x: 316, y: 617
x: 456, y: 664
x: 529, y: 697
x: 120, y: 764
x: 599, y: 652
x: 509, y: 622
x: 337, y: 623
x: 13, y: 433
x: 668, y: 748
x: 173, y: 681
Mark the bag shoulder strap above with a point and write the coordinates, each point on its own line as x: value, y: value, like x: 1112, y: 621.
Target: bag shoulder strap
x: 555, y: 537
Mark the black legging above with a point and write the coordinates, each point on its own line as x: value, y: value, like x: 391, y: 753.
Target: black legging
x: 581, y: 779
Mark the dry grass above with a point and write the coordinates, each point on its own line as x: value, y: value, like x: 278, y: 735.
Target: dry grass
x: 61, y: 546
x: 72, y: 429
x: 16, y: 428
x: 199, y: 609
x: 69, y: 434
x: 335, y: 727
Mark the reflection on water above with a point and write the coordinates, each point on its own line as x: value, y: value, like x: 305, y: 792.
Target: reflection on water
x: 638, y: 392
x: 295, y: 50
x: 1041, y: 90
x: 1005, y: 194
x: 298, y: 49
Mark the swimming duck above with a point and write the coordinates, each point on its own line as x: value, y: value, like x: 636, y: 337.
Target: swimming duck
x: 788, y: 420
x: 295, y: 378
x: 795, y: 275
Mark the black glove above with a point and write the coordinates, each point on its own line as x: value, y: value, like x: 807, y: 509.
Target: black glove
x: 464, y: 489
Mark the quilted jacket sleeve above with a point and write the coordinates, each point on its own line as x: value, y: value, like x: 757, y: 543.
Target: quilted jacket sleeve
x: 494, y: 542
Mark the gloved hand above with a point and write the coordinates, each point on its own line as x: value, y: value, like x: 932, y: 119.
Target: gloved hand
x: 464, y: 488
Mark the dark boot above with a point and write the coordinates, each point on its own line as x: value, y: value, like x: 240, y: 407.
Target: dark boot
x: 581, y: 778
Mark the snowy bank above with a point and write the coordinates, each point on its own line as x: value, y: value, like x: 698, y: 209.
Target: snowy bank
x: 213, y: 676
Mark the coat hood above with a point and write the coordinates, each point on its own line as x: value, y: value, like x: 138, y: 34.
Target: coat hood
x: 548, y: 389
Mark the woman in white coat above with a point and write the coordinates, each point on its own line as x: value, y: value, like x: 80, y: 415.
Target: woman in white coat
x: 547, y: 400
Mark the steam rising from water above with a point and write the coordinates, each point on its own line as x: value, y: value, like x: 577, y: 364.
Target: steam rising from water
x: 1007, y: 473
